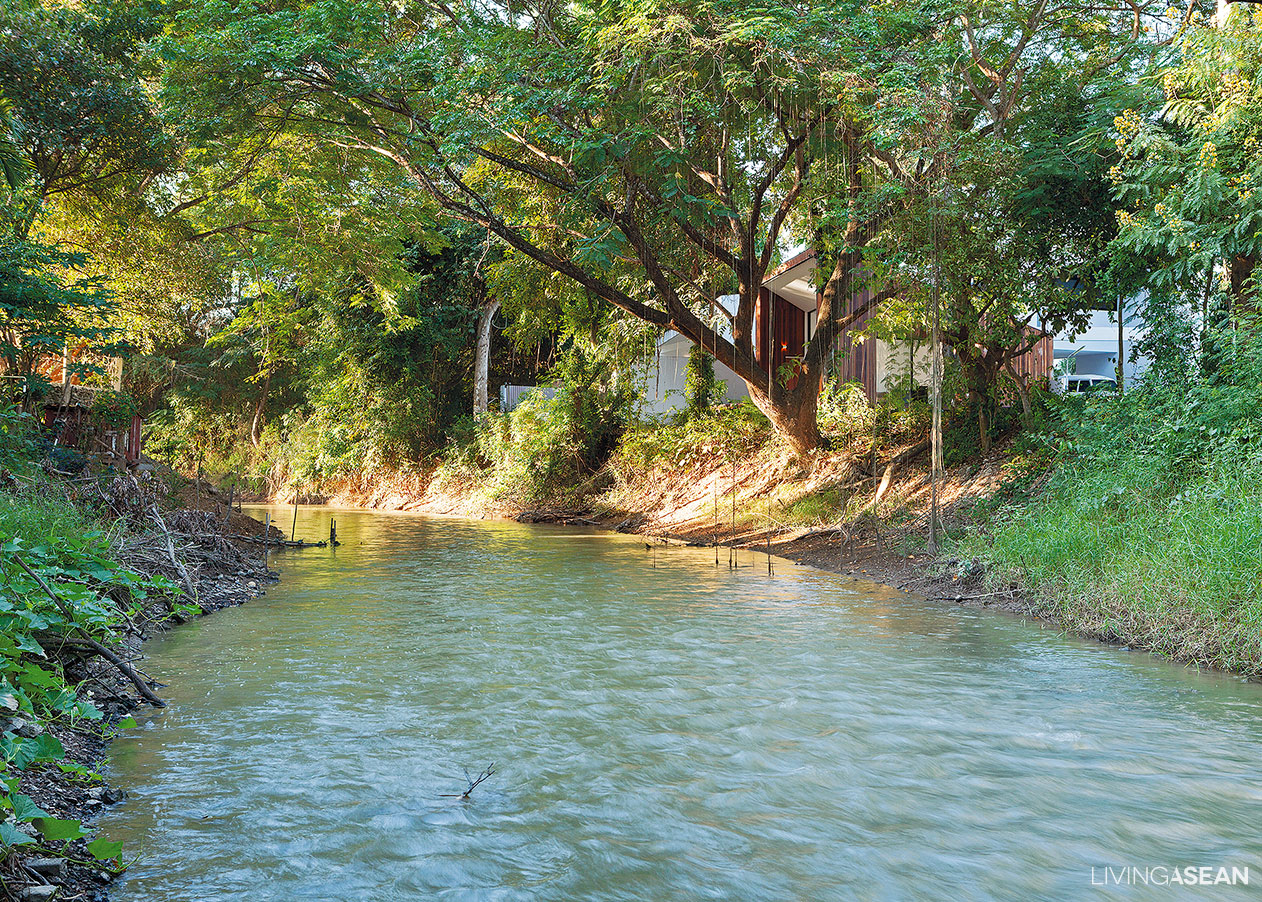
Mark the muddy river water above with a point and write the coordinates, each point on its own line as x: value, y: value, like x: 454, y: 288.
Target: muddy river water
x: 662, y: 728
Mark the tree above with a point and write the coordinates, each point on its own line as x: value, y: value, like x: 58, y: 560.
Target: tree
x: 270, y: 330
x: 1012, y: 227
x: 654, y: 156
x: 72, y: 75
x: 1191, y: 165
x: 648, y: 156
x: 43, y: 312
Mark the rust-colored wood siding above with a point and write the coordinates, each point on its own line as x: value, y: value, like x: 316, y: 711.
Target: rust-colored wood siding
x: 788, y: 325
x: 1037, y: 362
x: 855, y: 361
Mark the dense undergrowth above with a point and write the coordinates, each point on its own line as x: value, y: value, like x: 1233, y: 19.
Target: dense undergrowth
x: 46, y: 535
x: 1146, y: 528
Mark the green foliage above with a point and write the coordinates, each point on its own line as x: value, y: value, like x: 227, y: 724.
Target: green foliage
x: 44, y: 308
x: 59, y: 543
x: 553, y: 450
x: 19, y: 439
x: 730, y: 431
x: 1191, y: 165
x: 845, y: 415
x: 819, y: 508
x: 701, y: 389
x: 1146, y: 531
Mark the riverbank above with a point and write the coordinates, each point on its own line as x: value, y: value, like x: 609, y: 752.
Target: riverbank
x: 864, y: 518
x: 867, y: 516
x: 155, y: 564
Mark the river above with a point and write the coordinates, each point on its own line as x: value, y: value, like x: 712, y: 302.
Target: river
x: 662, y: 728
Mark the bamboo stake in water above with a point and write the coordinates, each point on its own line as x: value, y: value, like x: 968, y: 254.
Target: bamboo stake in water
x: 293, y: 530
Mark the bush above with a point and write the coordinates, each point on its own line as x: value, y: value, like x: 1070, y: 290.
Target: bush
x: 549, y: 450
x: 1147, y: 529
x: 702, y: 390
x: 845, y: 415
x: 727, y: 432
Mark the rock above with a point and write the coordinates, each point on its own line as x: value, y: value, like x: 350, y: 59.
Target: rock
x: 96, y: 792
x: 38, y: 893
x: 49, y: 867
x: 28, y: 729
x: 253, y: 584
x: 112, y: 796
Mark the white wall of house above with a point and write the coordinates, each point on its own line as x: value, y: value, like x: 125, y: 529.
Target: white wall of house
x: 1094, y: 350
x: 894, y: 360
x: 668, y: 375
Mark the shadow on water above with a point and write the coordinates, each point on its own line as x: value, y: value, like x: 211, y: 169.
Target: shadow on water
x: 663, y: 729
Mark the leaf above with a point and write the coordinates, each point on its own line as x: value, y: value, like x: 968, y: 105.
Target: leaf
x: 28, y: 644
x: 54, y: 828
x: 103, y: 850
x: 46, y: 747
x: 25, y: 809
x: 12, y: 836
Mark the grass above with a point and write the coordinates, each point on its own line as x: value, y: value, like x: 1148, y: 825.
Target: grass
x: 1140, y: 553
x: 43, y: 512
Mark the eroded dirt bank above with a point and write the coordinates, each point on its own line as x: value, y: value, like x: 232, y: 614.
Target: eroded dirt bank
x: 835, y: 512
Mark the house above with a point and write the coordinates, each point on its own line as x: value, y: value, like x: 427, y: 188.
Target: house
x: 785, y: 318
x: 88, y: 417
x: 1095, y: 350
x: 667, y: 373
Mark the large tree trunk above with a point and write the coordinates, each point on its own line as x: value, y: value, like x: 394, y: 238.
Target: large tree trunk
x: 792, y: 413
x: 482, y: 357
x: 1244, y: 294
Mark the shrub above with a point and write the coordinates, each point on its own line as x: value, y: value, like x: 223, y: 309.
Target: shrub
x: 1146, y: 530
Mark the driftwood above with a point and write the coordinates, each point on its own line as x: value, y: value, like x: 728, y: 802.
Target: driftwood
x: 281, y: 543
x: 87, y: 642
x: 1008, y: 592
x: 189, y: 585
x: 473, y: 782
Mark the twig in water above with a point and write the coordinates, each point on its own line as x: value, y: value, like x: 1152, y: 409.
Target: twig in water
x: 473, y: 782
x: 973, y: 597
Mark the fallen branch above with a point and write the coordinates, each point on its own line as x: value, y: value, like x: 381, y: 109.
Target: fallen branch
x: 972, y: 597
x: 281, y: 543
x: 189, y: 585
x: 892, y: 468
x: 123, y: 667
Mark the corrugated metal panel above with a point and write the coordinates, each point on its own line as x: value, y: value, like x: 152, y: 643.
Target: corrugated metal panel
x: 511, y: 395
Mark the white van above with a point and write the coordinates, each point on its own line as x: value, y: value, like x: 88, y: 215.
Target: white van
x: 1076, y: 383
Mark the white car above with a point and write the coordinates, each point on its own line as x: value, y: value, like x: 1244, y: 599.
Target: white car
x: 1076, y: 383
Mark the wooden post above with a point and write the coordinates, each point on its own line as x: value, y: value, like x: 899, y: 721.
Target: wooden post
x: 935, y: 379
x: 1121, y: 341
x: 293, y: 531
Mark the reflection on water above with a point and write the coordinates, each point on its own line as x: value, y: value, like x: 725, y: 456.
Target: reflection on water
x: 662, y: 730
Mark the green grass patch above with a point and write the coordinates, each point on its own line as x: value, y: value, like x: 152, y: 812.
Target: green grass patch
x: 1148, y: 531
